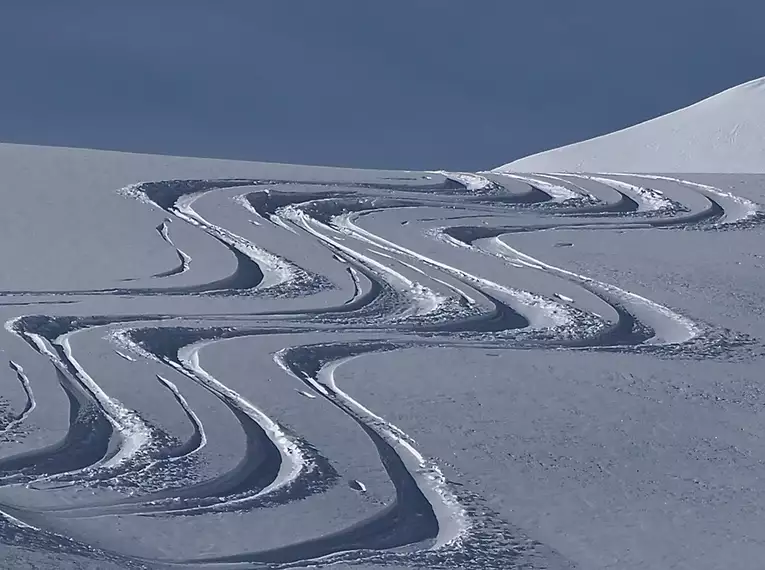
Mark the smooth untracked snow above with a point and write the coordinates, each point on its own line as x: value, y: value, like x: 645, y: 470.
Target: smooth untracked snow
x: 721, y: 134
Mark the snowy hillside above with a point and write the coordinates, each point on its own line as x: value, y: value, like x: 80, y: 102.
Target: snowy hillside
x: 239, y: 365
x: 724, y: 133
x: 219, y: 364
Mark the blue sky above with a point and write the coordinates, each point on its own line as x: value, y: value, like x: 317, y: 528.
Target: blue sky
x: 400, y: 83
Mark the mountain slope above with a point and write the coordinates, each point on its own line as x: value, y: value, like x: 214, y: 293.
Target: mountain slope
x: 724, y: 134
x: 230, y: 364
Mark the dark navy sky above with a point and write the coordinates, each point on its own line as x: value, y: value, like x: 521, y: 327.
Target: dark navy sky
x: 453, y: 84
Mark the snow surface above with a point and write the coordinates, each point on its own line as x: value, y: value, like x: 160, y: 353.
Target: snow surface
x: 721, y: 134
x: 390, y: 369
x: 223, y: 364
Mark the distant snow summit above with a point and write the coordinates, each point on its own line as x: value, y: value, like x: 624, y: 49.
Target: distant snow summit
x: 722, y: 134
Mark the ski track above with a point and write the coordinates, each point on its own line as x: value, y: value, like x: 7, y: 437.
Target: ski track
x: 557, y: 192
x: 739, y: 211
x: 403, y: 294
x: 650, y: 200
x: 29, y: 406
x: 184, y: 259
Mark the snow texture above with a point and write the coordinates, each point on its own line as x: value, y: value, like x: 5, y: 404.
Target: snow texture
x: 721, y: 134
x: 386, y: 369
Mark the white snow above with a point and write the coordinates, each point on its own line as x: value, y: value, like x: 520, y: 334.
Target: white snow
x: 737, y: 209
x: 11, y: 426
x: 557, y: 192
x: 276, y: 271
x: 306, y: 394
x: 472, y: 182
x: 135, y: 433
x: 669, y: 326
x: 541, y: 312
x: 293, y: 460
x: 124, y: 356
x: 453, y: 519
x: 649, y: 200
x: 185, y: 404
x: 425, y: 301
x: 526, y: 428
x: 721, y: 134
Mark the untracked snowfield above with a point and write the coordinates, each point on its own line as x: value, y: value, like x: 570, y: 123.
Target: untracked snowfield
x: 219, y: 364
x: 723, y: 133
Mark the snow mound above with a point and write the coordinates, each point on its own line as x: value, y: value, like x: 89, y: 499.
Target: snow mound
x: 722, y: 134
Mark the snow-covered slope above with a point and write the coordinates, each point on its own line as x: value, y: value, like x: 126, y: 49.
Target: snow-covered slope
x: 211, y: 363
x: 724, y: 133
